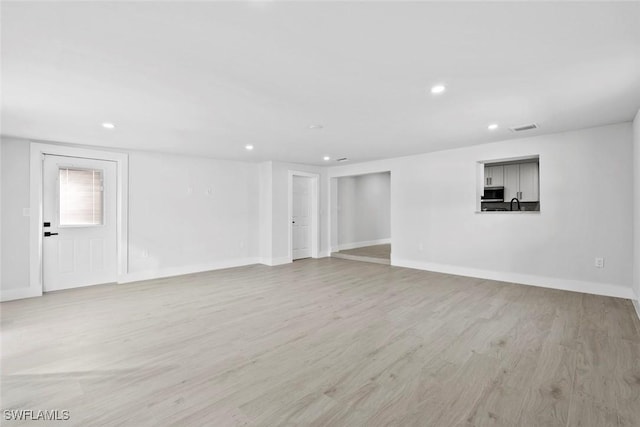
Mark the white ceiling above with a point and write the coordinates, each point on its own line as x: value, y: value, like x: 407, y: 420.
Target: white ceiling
x: 207, y: 78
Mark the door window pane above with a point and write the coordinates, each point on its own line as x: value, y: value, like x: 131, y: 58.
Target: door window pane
x: 81, y: 201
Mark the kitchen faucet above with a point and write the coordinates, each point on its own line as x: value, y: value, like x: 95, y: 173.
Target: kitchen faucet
x: 511, y: 203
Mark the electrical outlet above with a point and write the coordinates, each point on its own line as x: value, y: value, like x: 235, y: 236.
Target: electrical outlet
x: 599, y: 263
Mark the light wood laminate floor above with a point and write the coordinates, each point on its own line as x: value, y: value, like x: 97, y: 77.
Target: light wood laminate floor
x: 380, y: 254
x: 323, y: 342
x: 375, y: 251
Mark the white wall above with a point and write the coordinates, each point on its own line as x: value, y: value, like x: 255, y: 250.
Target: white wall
x: 636, y: 210
x: 434, y: 225
x: 176, y: 226
x: 14, y: 255
x: 171, y: 230
x: 363, y: 210
x: 433, y: 221
x: 266, y: 212
x: 1, y: 181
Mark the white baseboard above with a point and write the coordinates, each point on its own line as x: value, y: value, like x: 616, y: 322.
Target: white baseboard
x: 179, y: 271
x: 324, y: 254
x: 636, y: 304
x: 606, y: 289
x: 19, y: 293
x: 354, y: 245
x: 272, y: 262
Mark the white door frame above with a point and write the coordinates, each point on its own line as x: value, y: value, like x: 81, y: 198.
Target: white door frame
x: 38, y: 151
x: 315, y: 192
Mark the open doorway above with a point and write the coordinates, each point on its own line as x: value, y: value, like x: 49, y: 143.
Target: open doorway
x: 363, y: 218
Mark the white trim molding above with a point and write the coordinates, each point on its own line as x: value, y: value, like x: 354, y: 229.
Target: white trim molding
x: 272, y: 262
x: 189, y: 269
x: 606, y: 289
x: 18, y: 293
x: 324, y: 254
x: 38, y: 151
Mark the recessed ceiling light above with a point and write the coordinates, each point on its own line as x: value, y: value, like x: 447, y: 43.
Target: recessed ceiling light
x: 492, y: 126
x: 316, y: 127
x: 107, y: 125
x: 326, y: 158
x: 438, y: 89
x: 248, y: 147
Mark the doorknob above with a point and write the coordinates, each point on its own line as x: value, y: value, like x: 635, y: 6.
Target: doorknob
x: 293, y: 222
x: 47, y: 234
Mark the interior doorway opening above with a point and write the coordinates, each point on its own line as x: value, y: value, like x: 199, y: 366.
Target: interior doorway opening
x: 362, y: 223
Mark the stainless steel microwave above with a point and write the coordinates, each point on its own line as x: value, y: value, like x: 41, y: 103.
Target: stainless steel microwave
x: 493, y: 194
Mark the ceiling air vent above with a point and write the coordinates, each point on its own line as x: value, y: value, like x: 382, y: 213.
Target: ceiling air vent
x: 530, y: 126
x: 343, y: 159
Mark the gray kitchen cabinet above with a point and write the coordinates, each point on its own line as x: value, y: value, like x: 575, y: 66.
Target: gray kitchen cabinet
x: 511, y: 181
x: 493, y: 176
x: 529, y: 182
x: 521, y: 181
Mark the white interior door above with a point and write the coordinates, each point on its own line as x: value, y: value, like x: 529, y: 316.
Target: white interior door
x: 79, y: 213
x: 301, y: 217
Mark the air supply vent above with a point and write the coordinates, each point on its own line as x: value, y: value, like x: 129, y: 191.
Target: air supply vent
x: 343, y: 159
x: 522, y: 128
